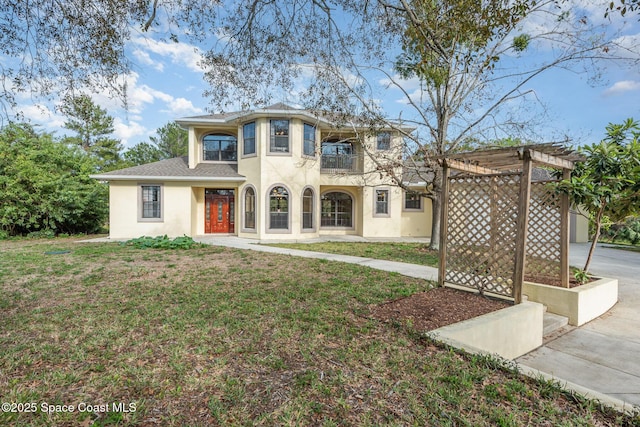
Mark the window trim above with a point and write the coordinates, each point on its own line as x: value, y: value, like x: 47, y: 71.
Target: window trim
x: 353, y: 211
x: 304, y: 140
x: 268, y: 228
x: 244, y: 227
x: 404, y: 202
x: 202, y: 151
x: 375, y: 202
x: 313, y: 210
x: 255, y: 140
x: 279, y: 153
x: 141, y: 218
x: 378, y: 136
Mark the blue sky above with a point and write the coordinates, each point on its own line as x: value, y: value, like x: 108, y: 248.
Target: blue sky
x: 166, y: 83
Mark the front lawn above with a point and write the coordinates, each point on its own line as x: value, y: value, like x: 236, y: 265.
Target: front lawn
x: 216, y: 336
x: 412, y: 253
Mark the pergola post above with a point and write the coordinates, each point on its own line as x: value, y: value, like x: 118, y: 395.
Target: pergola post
x: 444, y: 220
x: 565, y: 218
x: 523, y: 224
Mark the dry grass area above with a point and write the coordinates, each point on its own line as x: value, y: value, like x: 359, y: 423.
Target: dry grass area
x: 215, y: 336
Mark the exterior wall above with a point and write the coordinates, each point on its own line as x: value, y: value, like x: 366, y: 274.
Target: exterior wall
x: 417, y: 223
x: 123, y: 211
x: 183, y: 203
x: 578, y: 227
x: 376, y: 225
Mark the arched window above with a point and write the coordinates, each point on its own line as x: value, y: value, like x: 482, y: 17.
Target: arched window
x: 278, y: 208
x: 250, y: 208
x: 337, y: 210
x: 221, y: 148
x: 307, y: 209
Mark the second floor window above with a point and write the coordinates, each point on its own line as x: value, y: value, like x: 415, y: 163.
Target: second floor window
x: 384, y: 141
x: 249, y: 138
x: 309, y: 148
x: 222, y: 148
x: 279, y: 136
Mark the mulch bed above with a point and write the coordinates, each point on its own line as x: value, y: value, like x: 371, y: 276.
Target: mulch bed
x: 438, y: 307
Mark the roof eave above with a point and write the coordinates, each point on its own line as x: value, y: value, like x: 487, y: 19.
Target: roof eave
x: 168, y: 178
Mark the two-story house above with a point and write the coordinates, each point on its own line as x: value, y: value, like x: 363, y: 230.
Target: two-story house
x: 272, y: 173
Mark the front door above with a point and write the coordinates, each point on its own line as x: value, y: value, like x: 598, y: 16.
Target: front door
x: 219, y: 214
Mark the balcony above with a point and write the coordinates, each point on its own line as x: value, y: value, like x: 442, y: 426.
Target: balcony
x: 340, y: 164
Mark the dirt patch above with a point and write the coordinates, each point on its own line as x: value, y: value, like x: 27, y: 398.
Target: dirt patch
x: 426, y: 311
x: 545, y: 280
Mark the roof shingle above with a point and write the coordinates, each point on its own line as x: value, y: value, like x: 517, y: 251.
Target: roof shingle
x: 177, y: 168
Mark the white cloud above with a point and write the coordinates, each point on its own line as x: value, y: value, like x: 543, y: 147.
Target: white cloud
x: 42, y: 114
x: 145, y: 59
x: 622, y: 87
x: 182, y: 107
x: 127, y: 131
x: 185, y: 54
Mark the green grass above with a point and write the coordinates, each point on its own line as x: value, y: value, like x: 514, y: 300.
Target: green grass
x: 215, y: 336
x: 413, y: 253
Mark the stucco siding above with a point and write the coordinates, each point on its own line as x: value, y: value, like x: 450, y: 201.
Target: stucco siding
x: 123, y: 218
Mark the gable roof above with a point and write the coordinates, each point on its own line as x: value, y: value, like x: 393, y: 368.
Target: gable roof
x: 176, y: 169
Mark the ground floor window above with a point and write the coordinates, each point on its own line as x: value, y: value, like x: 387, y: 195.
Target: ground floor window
x: 412, y: 200
x: 250, y: 208
x: 278, y: 208
x: 150, y: 203
x: 382, y: 202
x: 307, y: 209
x: 337, y: 210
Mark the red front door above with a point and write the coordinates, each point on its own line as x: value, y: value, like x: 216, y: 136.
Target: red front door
x: 219, y: 214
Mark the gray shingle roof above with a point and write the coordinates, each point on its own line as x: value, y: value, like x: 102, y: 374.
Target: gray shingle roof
x: 176, y: 169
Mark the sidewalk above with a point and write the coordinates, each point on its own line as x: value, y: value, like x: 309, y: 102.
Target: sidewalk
x: 604, y: 354
x: 411, y: 270
x: 600, y: 359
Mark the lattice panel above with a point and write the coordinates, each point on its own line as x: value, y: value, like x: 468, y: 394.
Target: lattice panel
x: 543, y: 239
x: 481, y: 232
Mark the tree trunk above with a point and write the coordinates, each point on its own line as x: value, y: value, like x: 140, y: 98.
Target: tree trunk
x: 594, y: 241
x: 436, y: 207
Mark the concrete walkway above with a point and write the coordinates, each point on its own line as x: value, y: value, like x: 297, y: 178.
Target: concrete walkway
x: 604, y: 354
x: 411, y: 270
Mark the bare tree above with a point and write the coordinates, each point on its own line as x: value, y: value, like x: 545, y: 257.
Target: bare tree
x: 52, y: 47
x: 463, y: 67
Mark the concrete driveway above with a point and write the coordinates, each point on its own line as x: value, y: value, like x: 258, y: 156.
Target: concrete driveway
x: 604, y: 354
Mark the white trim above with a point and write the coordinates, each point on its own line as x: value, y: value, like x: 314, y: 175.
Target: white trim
x: 167, y: 178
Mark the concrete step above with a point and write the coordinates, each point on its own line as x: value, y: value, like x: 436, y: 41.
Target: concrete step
x: 553, y: 322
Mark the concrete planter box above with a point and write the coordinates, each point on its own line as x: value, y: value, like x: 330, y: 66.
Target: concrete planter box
x: 580, y: 304
x: 509, y: 333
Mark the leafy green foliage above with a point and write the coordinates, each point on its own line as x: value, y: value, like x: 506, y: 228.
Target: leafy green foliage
x: 581, y: 276
x: 45, y: 185
x: 607, y: 184
x: 163, y: 242
x: 142, y: 153
x: 93, y: 127
x: 627, y: 231
x: 172, y: 141
x: 622, y: 6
